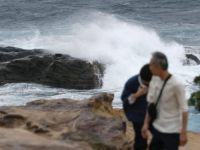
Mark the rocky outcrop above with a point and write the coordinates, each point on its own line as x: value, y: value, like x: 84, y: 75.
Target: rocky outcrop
x: 193, y: 57
x: 191, y: 54
x: 39, y: 66
x: 90, y: 124
x: 66, y: 120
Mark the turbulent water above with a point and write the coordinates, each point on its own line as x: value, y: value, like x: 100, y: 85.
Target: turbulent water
x: 119, y: 33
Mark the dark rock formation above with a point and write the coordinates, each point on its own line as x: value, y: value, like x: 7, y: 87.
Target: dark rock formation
x: 11, y: 53
x: 38, y: 66
x: 193, y: 57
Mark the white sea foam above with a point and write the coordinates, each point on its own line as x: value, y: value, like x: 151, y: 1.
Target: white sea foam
x: 122, y: 46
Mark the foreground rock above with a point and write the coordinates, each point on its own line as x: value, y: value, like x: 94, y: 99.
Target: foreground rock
x: 39, y: 66
x: 17, y: 139
x: 68, y: 124
x: 66, y: 120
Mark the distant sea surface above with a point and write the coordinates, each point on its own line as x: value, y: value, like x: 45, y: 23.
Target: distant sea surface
x: 122, y: 34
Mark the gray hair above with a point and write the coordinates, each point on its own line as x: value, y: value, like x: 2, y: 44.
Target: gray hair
x: 160, y: 60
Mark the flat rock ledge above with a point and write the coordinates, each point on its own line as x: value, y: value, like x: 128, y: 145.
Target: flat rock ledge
x: 90, y: 124
x: 42, y: 67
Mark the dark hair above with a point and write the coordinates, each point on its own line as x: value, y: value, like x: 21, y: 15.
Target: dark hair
x: 159, y: 59
x: 145, y: 73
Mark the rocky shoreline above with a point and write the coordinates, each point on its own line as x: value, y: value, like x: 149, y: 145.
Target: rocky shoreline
x: 69, y: 124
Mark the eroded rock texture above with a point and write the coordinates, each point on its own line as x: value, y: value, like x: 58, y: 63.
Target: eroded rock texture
x: 67, y: 120
x: 90, y: 124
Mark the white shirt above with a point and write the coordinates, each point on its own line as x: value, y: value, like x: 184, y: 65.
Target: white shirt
x: 171, y: 105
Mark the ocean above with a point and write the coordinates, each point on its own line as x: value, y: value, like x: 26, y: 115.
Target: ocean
x: 122, y: 34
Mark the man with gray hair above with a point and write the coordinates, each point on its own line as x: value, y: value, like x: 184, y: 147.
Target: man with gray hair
x: 170, y: 125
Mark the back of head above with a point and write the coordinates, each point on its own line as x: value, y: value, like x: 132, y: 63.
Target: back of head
x: 145, y: 73
x: 159, y: 59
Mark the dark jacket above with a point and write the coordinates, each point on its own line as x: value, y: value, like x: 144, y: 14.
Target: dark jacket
x: 135, y: 112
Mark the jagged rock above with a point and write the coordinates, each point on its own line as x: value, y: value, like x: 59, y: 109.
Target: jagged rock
x: 191, y: 57
x: 37, y: 66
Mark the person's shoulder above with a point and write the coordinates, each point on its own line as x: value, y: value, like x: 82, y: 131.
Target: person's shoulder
x: 132, y: 80
x: 176, y: 81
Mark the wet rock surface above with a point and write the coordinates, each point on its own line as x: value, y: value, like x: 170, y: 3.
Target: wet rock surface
x: 39, y: 66
x: 192, y: 57
x: 11, y: 53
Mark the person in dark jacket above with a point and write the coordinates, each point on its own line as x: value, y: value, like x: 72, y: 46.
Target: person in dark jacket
x: 135, y: 104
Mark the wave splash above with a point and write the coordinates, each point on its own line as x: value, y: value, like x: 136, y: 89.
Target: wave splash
x: 124, y: 47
